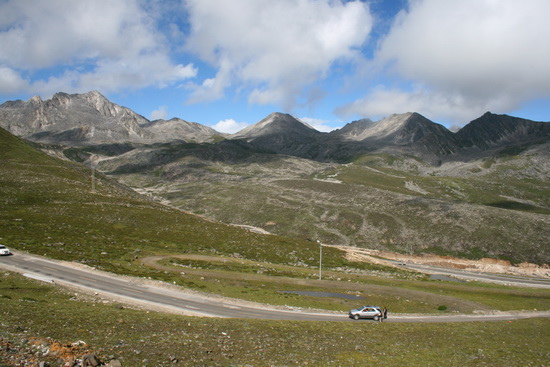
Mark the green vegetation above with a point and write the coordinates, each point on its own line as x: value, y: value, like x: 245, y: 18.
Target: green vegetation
x: 377, y: 201
x: 399, y: 290
x: 148, y: 338
x: 49, y: 208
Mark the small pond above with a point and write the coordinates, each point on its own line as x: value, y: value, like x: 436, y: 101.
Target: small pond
x: 323, y: 294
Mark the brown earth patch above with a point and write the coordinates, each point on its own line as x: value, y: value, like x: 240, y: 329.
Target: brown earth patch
x: 485, y: 265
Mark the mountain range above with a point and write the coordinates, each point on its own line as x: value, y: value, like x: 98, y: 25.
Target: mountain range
x: 403, y: 183
x: 88, y: 119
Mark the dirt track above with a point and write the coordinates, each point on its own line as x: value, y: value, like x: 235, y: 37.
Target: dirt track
x: 483, y: 265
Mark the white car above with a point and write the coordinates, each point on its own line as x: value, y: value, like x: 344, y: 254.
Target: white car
x: 366, y: 312
x: 4, y: 250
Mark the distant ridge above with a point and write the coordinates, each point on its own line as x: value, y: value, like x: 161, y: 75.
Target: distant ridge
x: 280, y: 133
x: 89, y: 118
x: 492, y: 130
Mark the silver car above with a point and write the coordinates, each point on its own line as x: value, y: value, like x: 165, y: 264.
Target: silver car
x: 366, y: 312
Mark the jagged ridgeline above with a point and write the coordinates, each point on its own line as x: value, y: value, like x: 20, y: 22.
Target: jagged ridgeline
x: 403, y: 183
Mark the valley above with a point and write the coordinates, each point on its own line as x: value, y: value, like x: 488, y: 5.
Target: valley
x: 184, y: 214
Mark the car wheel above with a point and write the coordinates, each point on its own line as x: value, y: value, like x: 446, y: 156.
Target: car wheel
x: 375, y: 318
x: 356, y: 317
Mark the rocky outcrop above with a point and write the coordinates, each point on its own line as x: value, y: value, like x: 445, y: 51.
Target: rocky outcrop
x: 90, y: 118
x: 45, y: 352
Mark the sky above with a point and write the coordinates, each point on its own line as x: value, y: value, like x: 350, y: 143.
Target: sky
x: 230, y: 63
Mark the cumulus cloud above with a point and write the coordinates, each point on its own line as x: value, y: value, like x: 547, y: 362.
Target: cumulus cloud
x: 159, y: 114
x: 463, y: 58
x: 318, y: 124
x: 439, y: 105
x: 10, y: 80
x: 100, y: 44
x: 273, y: 48
x: 229, y: 126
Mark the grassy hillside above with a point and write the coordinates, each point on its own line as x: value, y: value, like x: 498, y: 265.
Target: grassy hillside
x: 493, y: 207
x: 31, y: 311
x: 49, y: 207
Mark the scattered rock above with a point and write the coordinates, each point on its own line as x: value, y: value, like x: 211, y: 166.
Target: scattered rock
x: 114, y: 363
x: 90, y: 360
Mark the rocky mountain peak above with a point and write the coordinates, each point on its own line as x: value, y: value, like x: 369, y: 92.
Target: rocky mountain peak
x: 353, y: 129
x: 167, y: 130
x: 491, y: 130
x: 36, y: 100
x: 385, y: 129
x: 90, y: 118
x: 275, y: 123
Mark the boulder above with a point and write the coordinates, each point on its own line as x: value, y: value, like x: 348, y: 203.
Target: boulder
x: 90, y: 360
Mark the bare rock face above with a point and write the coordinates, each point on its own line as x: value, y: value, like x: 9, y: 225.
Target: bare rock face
x: 408, y: 130
x: 72, y: 119
x: 174, y: 129
x: 90, y: 118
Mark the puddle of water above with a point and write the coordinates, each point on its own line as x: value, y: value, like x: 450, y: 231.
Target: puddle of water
x: 323, y: 294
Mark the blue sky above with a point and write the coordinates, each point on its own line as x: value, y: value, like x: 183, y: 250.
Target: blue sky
x: 229, y: 63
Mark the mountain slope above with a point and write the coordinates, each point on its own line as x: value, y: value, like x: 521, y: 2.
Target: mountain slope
x: 407, y: 184
x: 72, y: 119
x: 49, y: 206
x: 173, y: 129
x: 89, y: 118
x: 491, y: 130
x: 281, y: 133
x: 410, y: 130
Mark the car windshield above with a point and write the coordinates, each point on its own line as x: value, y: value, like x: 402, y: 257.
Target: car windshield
x: 2, y: 246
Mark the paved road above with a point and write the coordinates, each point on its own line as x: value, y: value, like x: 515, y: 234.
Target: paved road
x: 126, y: 289
x: 483, y: 277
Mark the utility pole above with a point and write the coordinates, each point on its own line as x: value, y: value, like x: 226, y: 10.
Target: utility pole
x: 93, y: 164
x: 93, y: 179
x: 320, y: 260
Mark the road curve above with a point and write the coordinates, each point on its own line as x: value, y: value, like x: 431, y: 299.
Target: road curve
x: 176, y: 300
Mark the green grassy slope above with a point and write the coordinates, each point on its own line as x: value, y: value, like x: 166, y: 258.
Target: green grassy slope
x: 137, y: 338
x: 48, y: 207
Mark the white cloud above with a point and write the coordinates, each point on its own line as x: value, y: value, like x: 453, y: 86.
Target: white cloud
x: 100, y: 44
x: 437, y: 105
x: 464, y: 58
x: 229, y: 126
x: 159, y: 114
x: 274, y: 48
x: 318, y: 124
x: 10, y: 80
